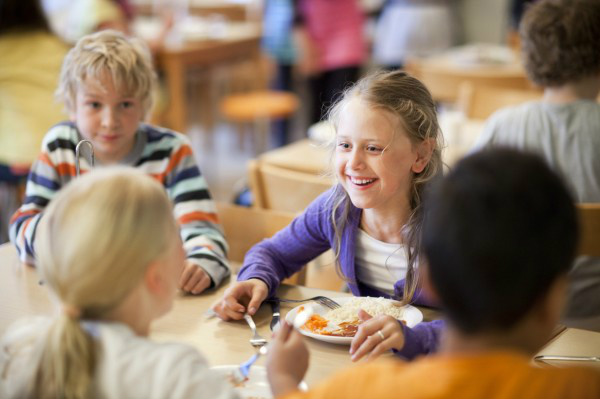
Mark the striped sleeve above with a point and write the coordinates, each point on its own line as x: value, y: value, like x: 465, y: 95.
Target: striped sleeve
x: 195, y: 211
x: 43, y: 183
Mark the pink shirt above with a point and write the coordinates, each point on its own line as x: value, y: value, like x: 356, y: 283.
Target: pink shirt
x: 336, y: 29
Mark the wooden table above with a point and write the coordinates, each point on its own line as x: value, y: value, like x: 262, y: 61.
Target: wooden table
x: 220, y: 342
x: 176, y: 60
x: 224, y: 342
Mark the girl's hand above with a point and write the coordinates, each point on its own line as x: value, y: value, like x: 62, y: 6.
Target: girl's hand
x: 287, y: 360
x: 233, y: 304
x: 376, y: 335
x: 193, y: 279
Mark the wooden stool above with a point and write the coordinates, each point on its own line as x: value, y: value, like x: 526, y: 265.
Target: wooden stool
x: 259, y: 108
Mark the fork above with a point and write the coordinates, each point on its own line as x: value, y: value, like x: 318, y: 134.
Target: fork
x: 241, y: 373
x: 257, y: 340
x: 322, y: 300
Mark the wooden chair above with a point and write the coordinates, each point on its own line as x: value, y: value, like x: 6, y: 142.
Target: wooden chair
x: 280, y: 189
x: 589, y: 219
x: 245, y: 227
x: 444, y: 82
x: 479, y: 101
x: 283, y: 189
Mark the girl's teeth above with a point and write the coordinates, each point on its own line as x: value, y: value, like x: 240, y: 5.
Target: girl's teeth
x: 361, y: 181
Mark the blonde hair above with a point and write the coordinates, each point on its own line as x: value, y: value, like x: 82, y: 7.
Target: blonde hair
x: 409, y: 100
x: 126, y: 60
x: 95, y: 242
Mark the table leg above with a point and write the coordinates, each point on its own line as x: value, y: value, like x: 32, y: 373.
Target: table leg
x: 176, y: 113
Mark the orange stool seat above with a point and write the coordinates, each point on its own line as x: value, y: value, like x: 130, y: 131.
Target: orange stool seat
x: 247, y: 107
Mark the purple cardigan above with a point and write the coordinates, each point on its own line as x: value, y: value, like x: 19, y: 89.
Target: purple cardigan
x: 308, y: 236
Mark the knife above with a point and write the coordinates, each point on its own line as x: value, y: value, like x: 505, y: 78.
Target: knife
x: 275, y: 320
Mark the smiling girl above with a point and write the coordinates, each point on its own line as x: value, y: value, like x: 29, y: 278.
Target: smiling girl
x: 387, y: 148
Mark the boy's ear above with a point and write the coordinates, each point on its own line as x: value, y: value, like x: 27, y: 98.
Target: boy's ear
x: 153, y: 278
x: 552, y: 303
x: 424, y: 151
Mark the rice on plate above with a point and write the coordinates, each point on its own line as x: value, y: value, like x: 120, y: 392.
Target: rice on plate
x: 341, y: 324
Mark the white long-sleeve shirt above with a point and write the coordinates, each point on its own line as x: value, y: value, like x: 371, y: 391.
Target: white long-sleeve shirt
x: 128, y: 366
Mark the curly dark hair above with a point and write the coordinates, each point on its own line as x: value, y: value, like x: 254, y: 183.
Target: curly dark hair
x: 561, y: 41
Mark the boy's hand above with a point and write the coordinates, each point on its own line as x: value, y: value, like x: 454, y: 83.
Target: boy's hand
x: 287, y: 360
x: 368, y: 339
x: 231, y: 306
x: 194, y: 279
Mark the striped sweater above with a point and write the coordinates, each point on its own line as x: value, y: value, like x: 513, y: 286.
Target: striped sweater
x: 163, y: 154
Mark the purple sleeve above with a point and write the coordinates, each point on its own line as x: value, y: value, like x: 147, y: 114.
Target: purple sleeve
x: 282, y: 255
x: 424, y: 338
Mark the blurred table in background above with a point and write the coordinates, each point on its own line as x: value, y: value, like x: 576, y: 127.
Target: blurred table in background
x: 480, y: 64
x: 176, y: 61
x: 197, y: 43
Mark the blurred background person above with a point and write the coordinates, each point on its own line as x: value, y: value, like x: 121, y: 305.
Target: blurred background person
x: 332, y: 48
x: 29, y: 68
x: 413, y: 28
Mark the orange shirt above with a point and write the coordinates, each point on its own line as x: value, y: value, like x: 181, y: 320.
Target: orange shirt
x: 493, y: 375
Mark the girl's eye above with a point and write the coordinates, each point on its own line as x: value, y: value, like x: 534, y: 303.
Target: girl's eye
x: 372, y: 148
x: 127, y: 104
x: 94, y: 104
x: 344, y: 146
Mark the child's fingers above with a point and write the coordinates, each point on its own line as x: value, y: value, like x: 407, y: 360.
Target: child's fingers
x: 284, y: 331
x: 257, y: 298
x: 363, y: 315
x: 365, y: 330
x: 232, y: 304
x: 367, y: 346
x: 201, y: 285
x: 194, y: 279
x: 188, y: 270
x: 225, y: 312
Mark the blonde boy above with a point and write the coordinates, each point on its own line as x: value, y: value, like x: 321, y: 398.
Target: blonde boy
x: 106, y: 84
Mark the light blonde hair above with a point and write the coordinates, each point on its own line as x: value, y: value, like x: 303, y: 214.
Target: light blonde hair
x: 95, y: 242
x: 409, y: 100
x: 126, y: 60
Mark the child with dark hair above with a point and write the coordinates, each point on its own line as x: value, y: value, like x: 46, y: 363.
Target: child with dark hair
x: 499, y: 235
x: 560, y: 52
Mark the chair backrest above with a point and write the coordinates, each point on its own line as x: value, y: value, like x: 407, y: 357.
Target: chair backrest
x: 479, y: 101
x: 444, y: 83
x: 589, y: 220
x: 283, y: 189
x: 244, y: 227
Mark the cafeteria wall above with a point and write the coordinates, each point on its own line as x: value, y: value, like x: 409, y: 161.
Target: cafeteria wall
x: 484, y: 21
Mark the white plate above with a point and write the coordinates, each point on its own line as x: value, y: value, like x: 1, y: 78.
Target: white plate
x: 412, y: 316
x: 257, y: 385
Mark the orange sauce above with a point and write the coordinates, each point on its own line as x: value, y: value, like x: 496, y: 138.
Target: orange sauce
x: 317, y: 324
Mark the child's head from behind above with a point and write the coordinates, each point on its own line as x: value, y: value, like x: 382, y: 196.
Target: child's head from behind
x: 109, y: 249
x: 560, y: 41
x: 106, y: 84
x: 500, y: 230
x: 99, y: 236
